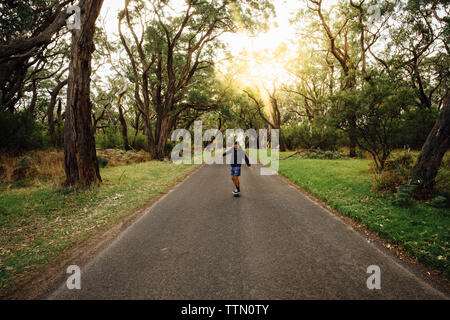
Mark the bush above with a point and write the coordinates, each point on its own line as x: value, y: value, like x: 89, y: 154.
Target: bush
x: 439, y: 202
x: 397, y: 172
x: 24, y: 170
x: 24, y: 162
x: 388, y: 181
x: 139, y: 142
x: 313, y: 134
x: 403, y: 197
x: 377, y: 109
x: 415, y: 127
x: 360, y: 154
x: 102, y: 162
x: 3, y: 173
x: 442, y: 183
x: 21, y: 132
x: 446, y: 162
x: 109, y: 138
x: 405, y: 160
x: 328, y: 155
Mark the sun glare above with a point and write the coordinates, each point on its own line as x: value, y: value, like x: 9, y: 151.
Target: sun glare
x: 261, y: 57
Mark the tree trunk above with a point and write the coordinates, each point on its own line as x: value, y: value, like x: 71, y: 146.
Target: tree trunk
x: 352, y: 137
x: 162, y: 135
x: 433, y: 150
x: 32, y: 106
x: 123, y: 123
x: 59, y: 134
x: 124, y: 129
x: 51, y: 109
x: 80, y: 158
x: 150, y: 141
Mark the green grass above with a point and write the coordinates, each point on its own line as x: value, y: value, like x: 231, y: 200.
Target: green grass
x: 422, y: 231
x: 38, y: 224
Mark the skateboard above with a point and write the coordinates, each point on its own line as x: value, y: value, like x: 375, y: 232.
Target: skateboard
x: 236, y: 195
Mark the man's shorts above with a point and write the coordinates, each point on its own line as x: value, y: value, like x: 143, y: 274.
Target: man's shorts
x: 235, y: 171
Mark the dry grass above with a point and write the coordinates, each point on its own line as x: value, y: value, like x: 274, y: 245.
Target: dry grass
x: 47, y: 166
x: 119, y: 157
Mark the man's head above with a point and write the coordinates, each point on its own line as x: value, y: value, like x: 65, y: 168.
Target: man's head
x: 236, y: 145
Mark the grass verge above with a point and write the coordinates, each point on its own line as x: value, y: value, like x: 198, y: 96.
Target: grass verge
x: 38, y: 224
x: 421, y: 231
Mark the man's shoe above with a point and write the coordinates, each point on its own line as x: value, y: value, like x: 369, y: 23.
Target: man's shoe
x: 236, y: 191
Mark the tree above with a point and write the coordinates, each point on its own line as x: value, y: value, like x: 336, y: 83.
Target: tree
x: 418, y: 47
x: 28, y: 28
x: 347, y: 36
x: 435, y: 147
x: 80, y: 159
x: 379, y: 107
x: 173, y: 53
x: 274, y: 120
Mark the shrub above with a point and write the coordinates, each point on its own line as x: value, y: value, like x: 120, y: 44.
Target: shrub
x: 446, y: 162
x: 315, y: 134
x: 439, y: 202
x: 328, y: 155
x: 21, y: 132
x: 138, y: 142
x: 377, y: 109
x: 24, y: 170
x: 442, y: 183
x: 109, y: 138
x: 360, y: 154
x: 24, y: 162
x: 3, y: 173
x: 405, y: 160
x: 102, y: 162
x: 403, y: 197
x: 415, y: 127
x: 388, y: 181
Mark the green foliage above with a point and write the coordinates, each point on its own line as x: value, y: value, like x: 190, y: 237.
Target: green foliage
x: 401, y: 163
x: 377, y: 108
x: 403, y: 197
x: 442, y: 183
x: 396, y: 172
x: 21, y: 132
x: 313, y: 134
x: 414, y: 128
x: 360, y: 154
x: 109, y: 138
x: 388, y: 181
x: 439, y: 202
x: 21, y: 18
x: 137, y: 142
x: 102, y: 162
x: 329, y: 155
x: 24, y: 162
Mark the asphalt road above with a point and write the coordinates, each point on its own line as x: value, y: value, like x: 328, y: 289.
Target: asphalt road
x: 199, y: 242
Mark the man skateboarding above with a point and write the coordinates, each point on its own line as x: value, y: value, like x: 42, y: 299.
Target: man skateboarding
x: 236, y: 163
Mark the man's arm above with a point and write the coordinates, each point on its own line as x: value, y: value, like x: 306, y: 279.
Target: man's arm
x: 227, y: 152
x: 247, y: 161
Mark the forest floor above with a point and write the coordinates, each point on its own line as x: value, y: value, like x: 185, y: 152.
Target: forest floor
x: 42, y: 222
x: 422, y: 231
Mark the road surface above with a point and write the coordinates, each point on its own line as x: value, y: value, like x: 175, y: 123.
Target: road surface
x: 199, y: 242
